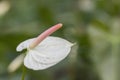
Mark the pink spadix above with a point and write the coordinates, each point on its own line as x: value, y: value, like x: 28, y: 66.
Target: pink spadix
x: 46, y: 33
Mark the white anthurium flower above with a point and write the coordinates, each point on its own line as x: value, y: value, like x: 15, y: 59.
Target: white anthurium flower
x: 45, y: 51
x: 16, y: 63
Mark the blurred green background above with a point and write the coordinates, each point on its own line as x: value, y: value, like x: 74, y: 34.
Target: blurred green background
x: 93, y: 24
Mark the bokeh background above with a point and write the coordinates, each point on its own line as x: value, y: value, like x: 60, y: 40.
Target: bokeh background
x: 94, y: 25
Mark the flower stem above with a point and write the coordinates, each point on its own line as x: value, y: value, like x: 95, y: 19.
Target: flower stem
x: 23, y: 73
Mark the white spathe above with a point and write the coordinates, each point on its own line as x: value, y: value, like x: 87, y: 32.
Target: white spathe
x: 16, y: 63
x: 48, y: 53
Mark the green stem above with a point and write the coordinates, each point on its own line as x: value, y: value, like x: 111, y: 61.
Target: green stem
x: 23, y: 73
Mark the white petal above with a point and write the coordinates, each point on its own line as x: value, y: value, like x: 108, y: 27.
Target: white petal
x: 48, y: 53
x: 24, y: 44
x: 31, y: 63
x: 16, y: 63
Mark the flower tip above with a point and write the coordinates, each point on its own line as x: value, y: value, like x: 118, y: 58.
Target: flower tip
x: 72, y: 44
x: 60, y: 24
x: 19, y: 49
